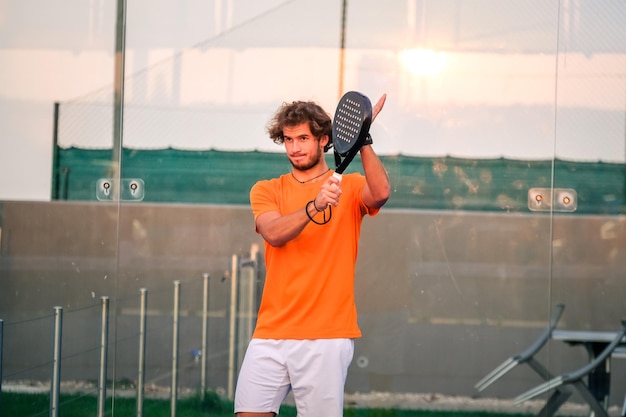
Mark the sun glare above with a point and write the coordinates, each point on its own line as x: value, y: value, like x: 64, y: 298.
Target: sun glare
x: 423, y: 62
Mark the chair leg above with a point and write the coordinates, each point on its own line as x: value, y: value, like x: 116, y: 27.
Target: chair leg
x: 556, y: 400
x: 596, y: 409
x: 540, y: 369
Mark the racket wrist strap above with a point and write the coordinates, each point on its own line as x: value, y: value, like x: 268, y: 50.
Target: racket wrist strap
x: 368, y: 140
x: 326, y: 220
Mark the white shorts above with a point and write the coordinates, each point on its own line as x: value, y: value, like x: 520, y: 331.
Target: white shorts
x: 315, y: 370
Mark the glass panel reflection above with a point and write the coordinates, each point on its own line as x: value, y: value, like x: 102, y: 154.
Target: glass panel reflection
x: 489, y: 105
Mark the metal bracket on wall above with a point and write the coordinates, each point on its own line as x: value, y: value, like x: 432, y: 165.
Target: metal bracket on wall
x: 552, y: 199
x: 125, y: 189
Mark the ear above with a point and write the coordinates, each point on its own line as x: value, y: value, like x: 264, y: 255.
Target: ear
x: 323, y: 141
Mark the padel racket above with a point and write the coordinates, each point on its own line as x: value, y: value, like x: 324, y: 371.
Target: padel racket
x: 351, y: 126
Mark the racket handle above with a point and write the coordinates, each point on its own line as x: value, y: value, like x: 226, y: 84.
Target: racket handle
x: 337, y: 175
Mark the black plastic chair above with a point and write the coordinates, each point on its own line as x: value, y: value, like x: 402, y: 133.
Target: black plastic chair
x: 526, y: 356
x: 620, y: 352
x: 560, y: 395
x: 576, y: 380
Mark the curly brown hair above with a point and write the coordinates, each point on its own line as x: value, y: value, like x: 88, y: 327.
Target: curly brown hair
x: 297, y: 112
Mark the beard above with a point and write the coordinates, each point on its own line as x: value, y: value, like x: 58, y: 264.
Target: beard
x: 310, y: 163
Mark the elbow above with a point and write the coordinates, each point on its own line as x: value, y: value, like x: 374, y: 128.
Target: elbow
x: 273, y: 239
x: 387, y: 193
x: 376, y: 197
x: 381, y: 198
x: 274, y: 243
x: 382, y: 201
x: 384, y: 195
x: 270, y: 231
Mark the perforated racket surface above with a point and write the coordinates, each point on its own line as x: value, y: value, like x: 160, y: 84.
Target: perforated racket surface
x: 351, y: 125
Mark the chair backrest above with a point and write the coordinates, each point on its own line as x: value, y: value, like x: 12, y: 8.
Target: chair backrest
x: 557, y: 312
x: 601, y: 357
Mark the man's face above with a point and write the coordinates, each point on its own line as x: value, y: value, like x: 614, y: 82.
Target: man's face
x: 304, y: 150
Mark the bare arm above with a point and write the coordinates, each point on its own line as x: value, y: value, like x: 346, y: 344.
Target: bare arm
x: 377, y: 189
x: 279, y: 229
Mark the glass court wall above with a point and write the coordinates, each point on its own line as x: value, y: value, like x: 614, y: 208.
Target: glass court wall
x: 503, y: 135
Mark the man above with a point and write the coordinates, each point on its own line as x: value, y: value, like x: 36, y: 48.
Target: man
x: 310, y: 222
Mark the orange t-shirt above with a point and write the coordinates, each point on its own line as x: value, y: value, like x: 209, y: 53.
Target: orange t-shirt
x: 309, y: 284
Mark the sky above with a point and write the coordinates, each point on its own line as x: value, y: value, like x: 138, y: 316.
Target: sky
x: 519, y: 79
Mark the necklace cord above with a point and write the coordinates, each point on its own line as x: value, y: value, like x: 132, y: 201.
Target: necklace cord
x: 310, y: 179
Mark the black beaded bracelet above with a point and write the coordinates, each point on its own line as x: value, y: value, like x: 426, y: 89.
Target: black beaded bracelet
x: 315, y: 205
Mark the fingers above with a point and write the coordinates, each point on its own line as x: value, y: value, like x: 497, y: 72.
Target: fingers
x: 329, y: 194
x: 378, y: 106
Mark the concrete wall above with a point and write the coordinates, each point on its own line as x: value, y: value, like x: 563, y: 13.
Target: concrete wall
x: 443, y: 297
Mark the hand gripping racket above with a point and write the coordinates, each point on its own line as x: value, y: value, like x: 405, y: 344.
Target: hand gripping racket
x: 351, y: 126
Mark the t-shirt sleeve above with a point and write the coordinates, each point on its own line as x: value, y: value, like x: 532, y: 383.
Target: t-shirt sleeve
x: 263, y: 198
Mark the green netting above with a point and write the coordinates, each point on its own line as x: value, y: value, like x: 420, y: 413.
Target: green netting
x: 219, y: 177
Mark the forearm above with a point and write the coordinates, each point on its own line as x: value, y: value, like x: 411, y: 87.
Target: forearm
x: 277, y: 230
x: 378, y: 189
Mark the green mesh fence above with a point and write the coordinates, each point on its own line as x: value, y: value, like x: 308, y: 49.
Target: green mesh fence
x: 220, y: 177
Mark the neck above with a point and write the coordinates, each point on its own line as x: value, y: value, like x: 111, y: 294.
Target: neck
x: 308, y: 176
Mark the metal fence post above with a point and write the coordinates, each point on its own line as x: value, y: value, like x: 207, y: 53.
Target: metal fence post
x: 104, y: 345
x: 1, y: 344
x: 234, y: 273
x: 205, y: 321
x: 246, y: 303
x: 56, y: 362
x: 174, y: 392
x: 141, y: 374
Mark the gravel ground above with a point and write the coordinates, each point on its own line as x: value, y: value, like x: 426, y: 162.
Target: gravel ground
x: 440, y: 402
x: 412, y: 401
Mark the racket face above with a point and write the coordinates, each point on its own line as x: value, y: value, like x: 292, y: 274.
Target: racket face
x: 352, y: 121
